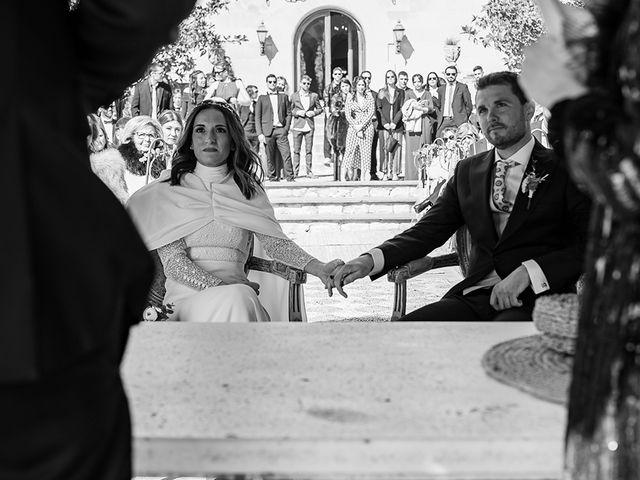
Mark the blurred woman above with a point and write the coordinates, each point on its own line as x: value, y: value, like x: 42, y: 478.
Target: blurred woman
x: 194, y: 94
x: 337, y: 124
x: 172, y: 125
x: 417, y: 116
x: 138, y: 137
x: 106, y: 161
x: 201, y: 217
x: 433, y: 82
x: 359, y: 112
x: 226, y: 87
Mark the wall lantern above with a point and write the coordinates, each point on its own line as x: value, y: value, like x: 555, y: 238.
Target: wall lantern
x: 262, y: 36
x: 398, y: 34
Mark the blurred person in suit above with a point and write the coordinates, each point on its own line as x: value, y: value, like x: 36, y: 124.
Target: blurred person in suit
x: 247, y: 115
x: 77, y: 271
x: 152, y: 95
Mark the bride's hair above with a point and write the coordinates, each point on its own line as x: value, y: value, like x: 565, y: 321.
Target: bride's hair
x: 243, y: 162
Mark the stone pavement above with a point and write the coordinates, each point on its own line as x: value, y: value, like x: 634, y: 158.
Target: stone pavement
x: 367, y: 300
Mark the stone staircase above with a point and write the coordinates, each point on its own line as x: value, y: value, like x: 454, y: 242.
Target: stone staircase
x: 327, y: 206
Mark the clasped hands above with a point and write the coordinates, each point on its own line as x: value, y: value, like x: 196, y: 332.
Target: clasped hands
x: 504, y: 294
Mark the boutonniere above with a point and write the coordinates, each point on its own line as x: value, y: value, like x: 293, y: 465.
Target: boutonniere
x: 157, y: 314
x: 530, y: 184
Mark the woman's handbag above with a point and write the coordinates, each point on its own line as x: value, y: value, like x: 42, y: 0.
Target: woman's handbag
x: 392, y: 144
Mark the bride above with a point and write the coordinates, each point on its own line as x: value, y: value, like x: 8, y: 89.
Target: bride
x: 200, y: 217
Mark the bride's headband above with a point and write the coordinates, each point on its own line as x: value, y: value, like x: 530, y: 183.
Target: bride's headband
x: 226, y: 106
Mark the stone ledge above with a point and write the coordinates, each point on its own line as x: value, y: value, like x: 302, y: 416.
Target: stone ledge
x: 344, y: 218
x: 291, y: 201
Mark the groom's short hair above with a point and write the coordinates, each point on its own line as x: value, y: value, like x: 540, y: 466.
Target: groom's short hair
x: 509, y: 79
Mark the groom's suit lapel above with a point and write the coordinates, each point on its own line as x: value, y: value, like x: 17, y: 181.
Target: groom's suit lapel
x: 481, y: 175
x: 544, y: 164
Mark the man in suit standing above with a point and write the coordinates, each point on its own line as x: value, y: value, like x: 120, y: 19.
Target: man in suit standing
x: 75, y: 271
x: 455, y: 101
x: 305, y: 106
x: 273, y: 119
x: 526, y: 219
x: 247, y: 115
x: 152, y: 95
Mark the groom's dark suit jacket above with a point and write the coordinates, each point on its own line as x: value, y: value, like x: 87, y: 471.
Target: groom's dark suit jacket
x: 553, y: 231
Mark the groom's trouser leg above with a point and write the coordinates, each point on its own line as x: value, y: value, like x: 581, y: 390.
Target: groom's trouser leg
x: 468, y: 308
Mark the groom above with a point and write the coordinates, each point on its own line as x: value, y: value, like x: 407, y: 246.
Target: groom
x: 526, y: 218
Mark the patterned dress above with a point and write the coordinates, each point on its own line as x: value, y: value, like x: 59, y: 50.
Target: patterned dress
x: 359, y: 111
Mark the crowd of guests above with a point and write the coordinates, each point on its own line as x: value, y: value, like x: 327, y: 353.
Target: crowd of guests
x: 369, y: 134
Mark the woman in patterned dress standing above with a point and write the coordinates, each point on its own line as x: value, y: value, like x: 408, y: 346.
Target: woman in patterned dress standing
x: 359, y: 111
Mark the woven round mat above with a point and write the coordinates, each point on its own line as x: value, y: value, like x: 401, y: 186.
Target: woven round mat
x: 527, y: 364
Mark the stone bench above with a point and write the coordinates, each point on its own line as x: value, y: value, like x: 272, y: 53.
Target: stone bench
x: 334, y: 400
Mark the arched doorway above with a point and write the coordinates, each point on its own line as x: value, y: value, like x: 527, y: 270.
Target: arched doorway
x: 324, y: 40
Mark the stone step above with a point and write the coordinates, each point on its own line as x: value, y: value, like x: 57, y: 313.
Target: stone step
x: 314, y: 207
x: 343, y: 190
x: 295, y: 225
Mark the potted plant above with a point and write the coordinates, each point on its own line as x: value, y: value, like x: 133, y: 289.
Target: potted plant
x: 451, y: 50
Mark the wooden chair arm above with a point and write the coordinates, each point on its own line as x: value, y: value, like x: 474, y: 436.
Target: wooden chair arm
x: 291, y: 274
x: 399, y: 276
x: 420, y: 265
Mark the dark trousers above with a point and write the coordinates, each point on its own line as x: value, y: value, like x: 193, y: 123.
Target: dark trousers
x: 308, y: 147
x: 374, y: 159
x: 327, y: 136
x: 278, y: 141
x: 474, y: 307
x: 253, y: 141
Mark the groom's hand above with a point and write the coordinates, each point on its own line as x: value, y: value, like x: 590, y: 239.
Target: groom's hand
x: 357, y: 268
x: 505, y: 293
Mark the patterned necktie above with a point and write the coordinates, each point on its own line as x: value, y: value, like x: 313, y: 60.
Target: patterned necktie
x: 500, y: 185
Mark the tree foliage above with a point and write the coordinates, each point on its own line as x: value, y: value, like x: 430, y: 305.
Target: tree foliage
x: 196, y: 37
x: 509, y: 26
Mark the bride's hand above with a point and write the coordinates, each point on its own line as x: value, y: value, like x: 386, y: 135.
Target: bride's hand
x: 325, y: 272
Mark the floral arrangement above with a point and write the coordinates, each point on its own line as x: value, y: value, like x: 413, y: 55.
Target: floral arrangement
x: 157, y: 314
x: 530, y: 184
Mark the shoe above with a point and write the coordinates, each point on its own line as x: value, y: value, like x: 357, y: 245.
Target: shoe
x: 291, y: 179
x: 395, y: 178
x: 311, y: 175
x: 385, y: 178
x: 374, y: 178
x: 274, y: 179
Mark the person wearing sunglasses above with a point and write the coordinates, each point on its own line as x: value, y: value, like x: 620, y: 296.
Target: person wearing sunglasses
x: 433, y: 84
x: 417, y: 112
x: 455, y: 101
x: 138, y: 145
x: 226, y: 87
x: 273, y: 120
x: 373, y: 169
x: 305, y: 106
